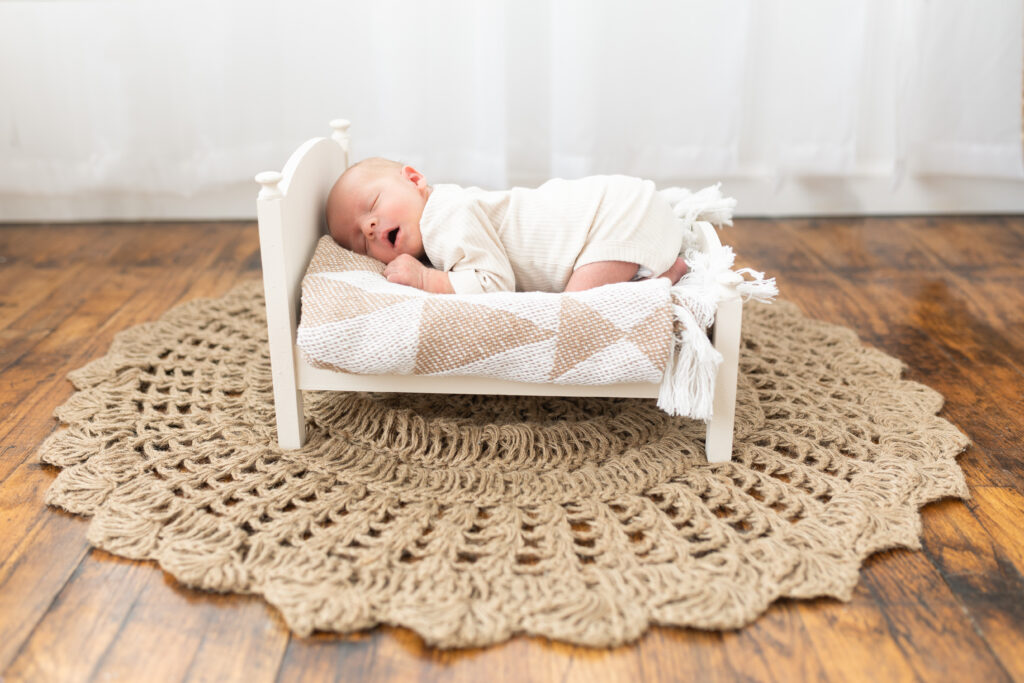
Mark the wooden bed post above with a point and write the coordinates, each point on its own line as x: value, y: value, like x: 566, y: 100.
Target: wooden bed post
x: 290, y: 211
x: 726, y: 338
x: 341, y: 136
x: 282, y: 314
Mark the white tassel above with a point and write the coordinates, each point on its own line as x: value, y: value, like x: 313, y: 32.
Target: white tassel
x: 696, y: 291
x: 688, y: 385
x: 701, y: 288
x: 708, y: 271
x: 759, y: 288
x: 706, y: 205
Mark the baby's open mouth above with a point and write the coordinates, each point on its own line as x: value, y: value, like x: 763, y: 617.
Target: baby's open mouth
x: 393, y: 236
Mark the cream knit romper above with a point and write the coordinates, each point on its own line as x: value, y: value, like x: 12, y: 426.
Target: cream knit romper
x: 533, y: 239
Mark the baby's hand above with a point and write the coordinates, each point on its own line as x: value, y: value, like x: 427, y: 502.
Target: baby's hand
x: 405, y: 269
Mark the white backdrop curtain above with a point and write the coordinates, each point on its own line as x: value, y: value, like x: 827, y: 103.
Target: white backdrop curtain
x: 191, y: 99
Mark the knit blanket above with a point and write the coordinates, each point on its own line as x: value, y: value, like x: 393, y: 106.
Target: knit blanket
x: 354, y: 320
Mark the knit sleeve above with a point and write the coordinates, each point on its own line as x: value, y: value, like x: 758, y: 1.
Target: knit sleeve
x: 463, y: 242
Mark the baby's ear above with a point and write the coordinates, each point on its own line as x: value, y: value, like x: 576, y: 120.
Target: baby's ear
x: 414, y: 176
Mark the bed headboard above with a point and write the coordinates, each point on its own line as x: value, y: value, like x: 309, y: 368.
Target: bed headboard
x: 290, y: 206
x: 290, y: 211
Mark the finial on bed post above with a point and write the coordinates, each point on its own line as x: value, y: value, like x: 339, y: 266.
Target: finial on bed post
x: 269, y: 181
x: 341, y: 136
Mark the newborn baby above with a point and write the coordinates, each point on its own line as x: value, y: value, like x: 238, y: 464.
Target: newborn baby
x: 566, y: 235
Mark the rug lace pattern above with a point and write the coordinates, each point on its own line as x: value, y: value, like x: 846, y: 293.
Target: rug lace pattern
x: 470, y: 519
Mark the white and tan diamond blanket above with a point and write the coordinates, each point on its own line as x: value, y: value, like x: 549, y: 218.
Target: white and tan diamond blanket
x: 356, y: 321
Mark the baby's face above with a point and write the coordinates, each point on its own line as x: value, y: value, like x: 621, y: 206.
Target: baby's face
x: 376, y: 212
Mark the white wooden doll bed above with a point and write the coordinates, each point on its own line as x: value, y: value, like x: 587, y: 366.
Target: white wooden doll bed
x: 290, y: 209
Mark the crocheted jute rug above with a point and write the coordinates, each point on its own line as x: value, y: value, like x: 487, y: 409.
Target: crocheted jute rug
x: 470, y: 519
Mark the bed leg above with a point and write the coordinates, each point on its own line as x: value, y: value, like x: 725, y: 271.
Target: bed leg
x: 291, y: 423
x: 726, y: 338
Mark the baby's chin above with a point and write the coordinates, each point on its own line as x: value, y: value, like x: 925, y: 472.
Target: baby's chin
x: 421, y: 256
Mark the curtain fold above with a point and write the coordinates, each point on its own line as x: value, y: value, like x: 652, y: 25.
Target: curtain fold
x: 184, y: 97
x: 965, y: 117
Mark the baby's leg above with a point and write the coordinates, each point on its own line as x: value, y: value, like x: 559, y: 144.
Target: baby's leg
x: 600, y: 273
x: 675, y: 272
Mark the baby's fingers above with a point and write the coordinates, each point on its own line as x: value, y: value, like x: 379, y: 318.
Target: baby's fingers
x: 396, y: 276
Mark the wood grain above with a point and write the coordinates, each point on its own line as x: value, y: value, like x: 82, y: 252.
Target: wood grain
x: 946, y: 295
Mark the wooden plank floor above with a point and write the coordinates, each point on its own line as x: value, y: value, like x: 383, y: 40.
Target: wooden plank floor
x: 944, y: 294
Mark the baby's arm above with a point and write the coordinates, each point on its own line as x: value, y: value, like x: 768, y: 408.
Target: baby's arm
x: 407, y: 270
x: 467, y: 254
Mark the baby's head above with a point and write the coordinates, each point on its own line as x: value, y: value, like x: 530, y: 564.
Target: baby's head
x: 375, y: 207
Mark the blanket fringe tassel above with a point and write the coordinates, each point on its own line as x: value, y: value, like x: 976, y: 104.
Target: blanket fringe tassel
x: 707, y: 204
x: 688, y: 385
